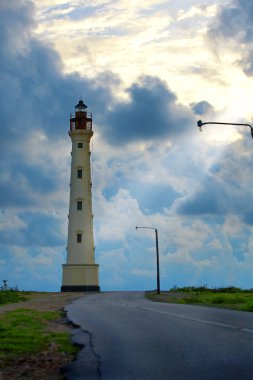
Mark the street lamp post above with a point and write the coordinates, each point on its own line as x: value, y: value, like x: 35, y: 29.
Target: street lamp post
x: 200, y: 124
x: 157, y: 256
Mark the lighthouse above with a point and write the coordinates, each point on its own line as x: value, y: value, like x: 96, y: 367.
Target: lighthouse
x: 80, y: 273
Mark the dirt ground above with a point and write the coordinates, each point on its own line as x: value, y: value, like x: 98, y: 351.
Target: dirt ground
x: 46, y: 365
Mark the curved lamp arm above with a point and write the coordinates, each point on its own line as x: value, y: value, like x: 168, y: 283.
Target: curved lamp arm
x: 200, y: 124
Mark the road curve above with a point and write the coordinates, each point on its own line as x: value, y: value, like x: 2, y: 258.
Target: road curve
x: 127, y: 337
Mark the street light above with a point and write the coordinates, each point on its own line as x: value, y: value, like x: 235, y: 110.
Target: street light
x: 157, y: 256
x: 200, y: 124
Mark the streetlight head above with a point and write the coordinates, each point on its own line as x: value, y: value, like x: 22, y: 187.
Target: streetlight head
x: 251, y: 130
x: 199, y: 124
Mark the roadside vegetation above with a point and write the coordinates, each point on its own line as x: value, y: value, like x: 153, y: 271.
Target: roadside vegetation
x: 12, y: 296
x: 228, y: 297
x: 27, y: 331
x: 34, y: 336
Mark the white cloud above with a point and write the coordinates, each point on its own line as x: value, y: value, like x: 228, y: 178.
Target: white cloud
x: 143, y: 272
x: 131, y: 39
x: 215, y: 244
x: 32, y: 270
x: 198, y: 10
x: 117, y: 217
x: 9, y: 221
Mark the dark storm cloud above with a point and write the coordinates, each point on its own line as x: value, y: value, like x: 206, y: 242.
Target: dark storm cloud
x: 23, y: 182
x: 34, y: 92
x: 227, y: 189
x: 201, y: 108
x: 40, y: 230
x: 208, y: 200
x: 14, y: 192
x: 248, y: 218
x: 234, y: 24
x: 151, y: 113
x: 35, y: 96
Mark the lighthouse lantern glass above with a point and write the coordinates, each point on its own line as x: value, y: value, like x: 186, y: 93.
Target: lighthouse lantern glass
x: 80, y: 107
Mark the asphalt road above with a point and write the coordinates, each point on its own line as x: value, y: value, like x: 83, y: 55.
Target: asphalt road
x: 127, y: 337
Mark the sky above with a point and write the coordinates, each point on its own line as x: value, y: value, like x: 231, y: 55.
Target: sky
x: 147, y: 72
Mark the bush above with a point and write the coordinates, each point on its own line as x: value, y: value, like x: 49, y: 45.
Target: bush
x: 11, y: 295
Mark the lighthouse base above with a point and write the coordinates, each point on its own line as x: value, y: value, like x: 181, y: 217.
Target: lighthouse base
x: 80, y: 278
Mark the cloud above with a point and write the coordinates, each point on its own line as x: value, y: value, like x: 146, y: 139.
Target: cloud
x: 201, y: 108
x: 143, y: 272
x: 122, y: 212
x: 35, y: 102
x: 34, y: 150
x: 34, y: 165
x: 233, y: 28
x: 150, y: 113
x: 206, y: 201
x: 36, y: 95
x: 36, y: 270
x: 226, y: 189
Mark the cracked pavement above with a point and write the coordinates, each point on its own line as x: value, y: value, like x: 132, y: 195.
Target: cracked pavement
x: 125, y: 336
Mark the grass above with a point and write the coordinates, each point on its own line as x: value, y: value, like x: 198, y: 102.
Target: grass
x: 25, y: 332
x: 229, y: 297
x: 12, y: 296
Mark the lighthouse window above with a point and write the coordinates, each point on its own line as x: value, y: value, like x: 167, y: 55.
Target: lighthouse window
x: 79, y: 205
x: 79, y: 238
x: 80, y: 145
x: 79, y: 173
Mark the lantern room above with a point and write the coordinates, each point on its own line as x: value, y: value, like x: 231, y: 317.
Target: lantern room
x: 82, y: 119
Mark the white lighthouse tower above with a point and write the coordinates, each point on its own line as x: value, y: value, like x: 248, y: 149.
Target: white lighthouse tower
x: 80, y: 273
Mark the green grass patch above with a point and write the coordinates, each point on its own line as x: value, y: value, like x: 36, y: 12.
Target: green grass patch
x: 12, y: 296
x: 25, y: 331
x: 230, y: 297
